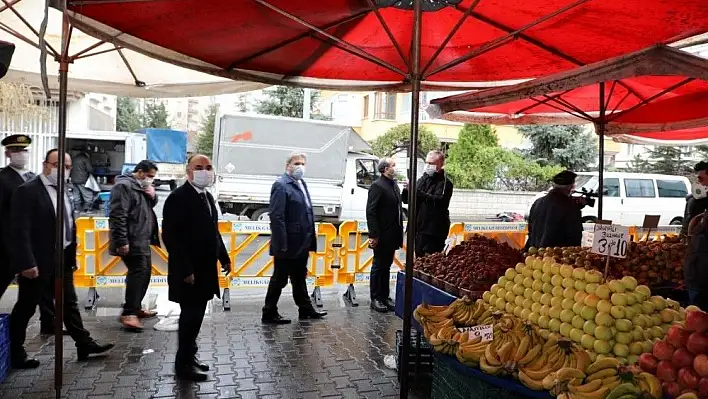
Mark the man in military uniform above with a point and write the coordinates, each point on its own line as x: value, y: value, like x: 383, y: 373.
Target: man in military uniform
x: 555, y: 219
x: 11, y: 177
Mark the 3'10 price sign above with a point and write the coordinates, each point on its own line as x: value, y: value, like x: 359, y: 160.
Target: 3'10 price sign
x: 610, y: 240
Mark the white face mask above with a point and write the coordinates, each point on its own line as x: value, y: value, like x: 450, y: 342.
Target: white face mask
x: 53, y: 176
x: 298, y: 172
x: 147, y: 182
x: 699, y: 191
x: 203, y: 178
x: 19, y: 159
x: 430, y: 169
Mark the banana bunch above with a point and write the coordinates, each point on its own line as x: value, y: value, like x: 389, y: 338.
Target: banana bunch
x: 496, y: 357
x: 471, y: 351
x: 447, y: 339
x: 467, y: 312
x: 430, y: 328
x: 528, y: 350
x: 650, y: 384
x: 626, y: 390
x: 556, y: 354
x: 558, y: 382
x: 500, y: 322
x: 432, y: 313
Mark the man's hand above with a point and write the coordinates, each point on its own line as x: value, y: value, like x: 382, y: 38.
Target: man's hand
x: 150, y: 190
x: 226, y: 269
x: 405, y: 183
x: 189, y: 279
x: 30, y: 273
x: 373, y: 242
x: 122, y: 251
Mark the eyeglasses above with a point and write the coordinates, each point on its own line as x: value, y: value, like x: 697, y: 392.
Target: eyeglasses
x: 56, y: 165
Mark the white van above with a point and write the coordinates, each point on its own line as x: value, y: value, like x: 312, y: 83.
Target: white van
x: 630, y: 196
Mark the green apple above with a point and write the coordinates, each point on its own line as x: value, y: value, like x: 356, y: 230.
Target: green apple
x: 593, y: 276
x: 546, y: 299
x: 587, y: 341
x: 510, y: 296
x: 580, y: 285
x: 589, y: 327
x: 623, y: 338
x: 501, y: 293
x: 604, y: 306
x: 554, y: 325
x: 576, y: 335
x: 630, y: 312
x: 520, y: 266
x: 517, y: 311
x: 565, y: 329
x: 519, y: 301
x: 647, y: 346
x: 665, y: 327
x: 592, y: 301
x: 527, y: 272
x: 557, y: 280
x: 667, y: 315
x: 659, y: 303
x: 603, y: 291
x: 632, y: 359
x: 546, y: 278
x: 555, y: 312
x: 623, y: 325
x: 537, y: 275
x: 639, y: 321
x: 566, y: 271
x: 568, y: 282
x: 578, y: 307
x: 616, y: 286
x: 647, y: 307
x: 500, y: 304
x: 528, y: 292
x: 546, y: 269
x: 486, y: 295
x: 536, y: 296
x: 588, y: 313
x: 604, y: 319
x: 579, y: 273
x: 528, y: 282
x: 603, y: 333
x: 519, y: 279
x: 533, y: 317
x: 518, y: 289
x: 495, y: 288
x: 617, y: 312
x: 557, y: 301
x: 644, y: 291
x: 567, y: 315
x: 525, y: 314
x: 567, y: 304
x: 508, y: 307
x: 537, y: 285
x: 545, y: 310
x: 656, y: 319
x: 544, y: 333
x: 555, y: 269
x: 580, y: 297
x: 570, y: 293
x: 557, y: 291
x: 637, y: 334
x: 536, y: 307
x: 543, y: 321
x: 527, y: 303
x: 493, y: 299
x: 601, y: 348
x: 591, y: 288
x: 631, y: 298
x: 636, y: 348
x: 619, y: 299
x: 510, y: 274
x: 647, y: 333
x: 509, y: 286
x: 620, y: 350
x: 538, y: 264
x: 578, y: 322
x: 629, y: 282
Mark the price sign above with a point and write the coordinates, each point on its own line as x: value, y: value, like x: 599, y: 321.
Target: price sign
x: 484, y: 331
x: 610, y: 240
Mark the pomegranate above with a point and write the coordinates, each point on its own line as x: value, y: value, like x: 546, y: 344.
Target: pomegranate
x: 697, y: 321
x: 648, y: 362
x: 666, y: 372
x: 688, y: 379
x: 672, y: 389
x: 663, y: 350
x: 682, y: 358
x: 700, y: 364
x: 703, y: 388
x: 697, y: 343
x: 677, y: 336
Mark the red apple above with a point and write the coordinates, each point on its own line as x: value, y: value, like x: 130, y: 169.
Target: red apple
x: 700, y: 364
x: 697, y: 321
x: 663, y: 350
x: 697, y: 343
x: 682, y: 358
x: 688, y: 379
x: 677, y: 336
x: 672, y: 389
x: 648, y: 362
x: 665, y: 371
x: 703, y: 388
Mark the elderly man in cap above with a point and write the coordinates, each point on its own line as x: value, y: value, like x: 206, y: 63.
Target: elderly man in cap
x: 555, y: 219
x: 11, y: 177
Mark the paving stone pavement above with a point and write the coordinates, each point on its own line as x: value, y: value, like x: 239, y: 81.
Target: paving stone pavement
x: 340, y: 357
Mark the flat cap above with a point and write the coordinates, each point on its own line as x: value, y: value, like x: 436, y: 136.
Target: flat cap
x: 564, y: 178
x: 16, y: 141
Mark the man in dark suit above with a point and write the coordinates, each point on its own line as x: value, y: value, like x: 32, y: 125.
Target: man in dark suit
x: 191, y: 235
x: 293, y: 236
x: 384, y: 216
x: 32, y: 224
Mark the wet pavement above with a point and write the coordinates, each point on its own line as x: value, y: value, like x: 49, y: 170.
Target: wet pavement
x: 340, y: 357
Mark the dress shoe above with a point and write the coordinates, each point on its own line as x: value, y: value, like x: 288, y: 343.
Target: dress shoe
x: 199, y: 365
x: 24, y: 363
x: 379, y: 306
x: 146, y: 314
x: 390, y: 304
x: 311, y: 314
x: 131, y: 323
x: 274, y: 319
x: 188, y: 374
x: 92, y: 348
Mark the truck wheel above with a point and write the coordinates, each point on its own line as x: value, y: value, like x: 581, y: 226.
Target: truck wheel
x: 589, y: 219
x: 173, y: 185
x: 677, y: 221
x: 260, y: 215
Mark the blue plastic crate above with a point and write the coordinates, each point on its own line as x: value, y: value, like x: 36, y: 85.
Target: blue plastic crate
x: 4, y: 346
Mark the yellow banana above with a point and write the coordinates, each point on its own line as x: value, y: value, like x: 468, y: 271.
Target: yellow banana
x: 688, y: 395
x: 598, y: 394
x: 492, y: 357
x: 611, y: 382
x: 623, y: 389
x: 549, y: 381
x: 530, y: 355
x: 530, y: 383
x: 586, y: 388
x: 504, y: 352
x: 568, y: 373
x: 583, y: 359
x: 537, y: 364
x: 654, y: 385
x: 522, y: 349
x: 538, y: 375
x: 488, y: 368
x: 601, y: 364
x: 599, y: 375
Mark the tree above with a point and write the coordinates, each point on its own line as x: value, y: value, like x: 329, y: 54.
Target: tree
x: 205, y: 138
x: 669, y: 161
x: 128, y: 118
x: 155, y: 115
x: 483, y: 135
x: 289, y: 101
x: 702, y: 151
x: 517, y: 173
x: 400, y: 136
x: 570, y: 146
x: 639, y: 165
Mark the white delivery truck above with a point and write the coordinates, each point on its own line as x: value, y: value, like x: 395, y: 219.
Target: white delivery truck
x: 250, y: 153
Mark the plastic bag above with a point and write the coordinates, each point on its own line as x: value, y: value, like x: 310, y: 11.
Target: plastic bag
x: 168, y: 323
x: 390, y: 362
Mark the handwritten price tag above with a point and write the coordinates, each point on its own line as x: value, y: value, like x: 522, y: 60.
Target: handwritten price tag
x: 484, y: 331
x: 610, y: 240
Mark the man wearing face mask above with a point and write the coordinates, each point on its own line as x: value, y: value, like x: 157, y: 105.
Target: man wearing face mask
x: 432, y: 219
x: 81, y: 172
x: 697, y: 201
x: 134, y: 229
x: 32, y: 223
x: 192, y: 239
x: 384, y: 216
x: 293, y: 236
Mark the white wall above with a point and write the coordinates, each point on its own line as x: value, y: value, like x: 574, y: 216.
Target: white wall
x: 475, y: 204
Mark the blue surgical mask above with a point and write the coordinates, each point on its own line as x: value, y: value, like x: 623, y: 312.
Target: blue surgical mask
x: 298, y: 172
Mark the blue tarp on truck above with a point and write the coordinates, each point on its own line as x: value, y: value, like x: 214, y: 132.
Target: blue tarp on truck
x: 165, y: 145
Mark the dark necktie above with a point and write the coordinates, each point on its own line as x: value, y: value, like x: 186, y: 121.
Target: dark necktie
x: 27, y: 176
x: 67, y: 217
x: 204, y: 198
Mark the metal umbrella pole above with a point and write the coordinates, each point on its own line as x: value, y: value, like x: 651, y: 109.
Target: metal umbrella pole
x: 415, y: 78
x: 601, y: 160
x: 59, y: 231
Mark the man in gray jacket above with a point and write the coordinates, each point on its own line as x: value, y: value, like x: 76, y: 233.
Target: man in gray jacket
x: 80, y: 173
x: 134, y: 229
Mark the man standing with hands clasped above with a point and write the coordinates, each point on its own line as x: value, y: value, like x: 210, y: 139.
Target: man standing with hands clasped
x: 384, y: 216
x: 134, y: 229
x: 293, y: 236
x: 190, y: 233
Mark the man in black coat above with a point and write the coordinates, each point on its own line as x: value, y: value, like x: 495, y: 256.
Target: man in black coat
x: 384, y: 217
x: 134, y: 229
x: 192, y: 239
x: 555, y: 219
x: 32, y: 224
x: 433, y: 193
x: 293, y: 236
x: 696, y: 204
x: 11, y: 177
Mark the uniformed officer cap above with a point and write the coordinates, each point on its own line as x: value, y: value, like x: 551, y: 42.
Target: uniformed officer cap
x: 564, y: 178
x: 16, y: 141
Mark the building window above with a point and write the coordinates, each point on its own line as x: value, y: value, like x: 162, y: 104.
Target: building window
x: 385, y: 106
